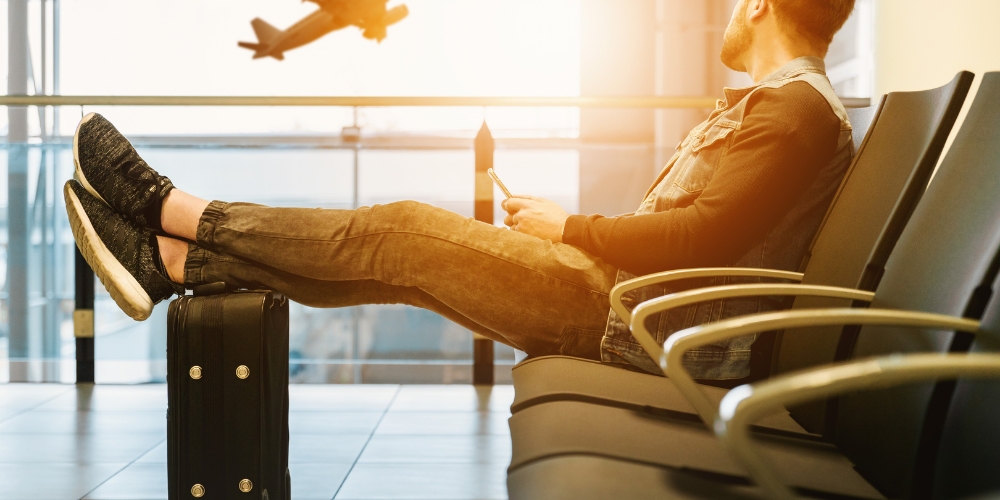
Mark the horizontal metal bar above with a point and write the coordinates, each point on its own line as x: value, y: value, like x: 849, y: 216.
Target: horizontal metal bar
x: 406, y: 142
x: 376, y: 361
x: 387, y: 362
x: 360, y: 101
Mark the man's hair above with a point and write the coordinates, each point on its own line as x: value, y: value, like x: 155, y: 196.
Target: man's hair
x: 814, y: 20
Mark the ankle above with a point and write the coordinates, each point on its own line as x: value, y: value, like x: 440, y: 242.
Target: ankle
x: 163, y: 209
x: 173, y: 255
x: 180, y: 213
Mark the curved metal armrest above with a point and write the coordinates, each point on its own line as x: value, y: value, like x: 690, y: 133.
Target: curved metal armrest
x: 684, y: 340
x: 748, y: 403
x: 660, y: 304
x: 684, y: 274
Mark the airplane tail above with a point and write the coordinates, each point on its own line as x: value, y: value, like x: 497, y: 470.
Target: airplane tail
x: 265, y: 35
x: 265, y: 32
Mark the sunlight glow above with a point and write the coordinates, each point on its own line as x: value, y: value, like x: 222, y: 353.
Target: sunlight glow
x: 445, y: 47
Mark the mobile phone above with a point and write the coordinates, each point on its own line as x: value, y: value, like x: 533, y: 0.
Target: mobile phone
x: 493, y: 175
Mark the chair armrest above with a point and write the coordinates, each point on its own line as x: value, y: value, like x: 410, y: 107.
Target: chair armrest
x: 747, y: 403
x: 685, y: 340
x: 660, y: 304
x: 684, y: 274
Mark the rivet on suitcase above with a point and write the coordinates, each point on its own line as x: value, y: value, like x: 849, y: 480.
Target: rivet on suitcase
x: 227, y: 384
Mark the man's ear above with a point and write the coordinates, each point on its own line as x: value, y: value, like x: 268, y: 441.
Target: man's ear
x: 756, y: 9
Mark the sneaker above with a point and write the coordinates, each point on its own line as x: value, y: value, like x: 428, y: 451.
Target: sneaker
x: 110, y: 169
x: 122, y: 254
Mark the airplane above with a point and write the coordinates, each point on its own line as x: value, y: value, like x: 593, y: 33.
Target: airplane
x: 371, y: 16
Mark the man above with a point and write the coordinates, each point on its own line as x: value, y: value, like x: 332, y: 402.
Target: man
x: 748, y: 187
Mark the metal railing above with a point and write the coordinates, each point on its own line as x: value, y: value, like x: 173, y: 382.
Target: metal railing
x: 361, y: 101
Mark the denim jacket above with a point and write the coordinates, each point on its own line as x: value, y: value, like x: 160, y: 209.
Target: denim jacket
x: 681, y: 181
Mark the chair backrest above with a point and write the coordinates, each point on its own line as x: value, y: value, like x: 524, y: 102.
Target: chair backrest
x: 942, y: 256
x: 889, y: 174
x: 861, y: 121
x: 762, y: 351
x: 968, y: 449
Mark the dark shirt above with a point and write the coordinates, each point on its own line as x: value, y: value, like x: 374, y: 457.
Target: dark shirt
x: 787, y: 136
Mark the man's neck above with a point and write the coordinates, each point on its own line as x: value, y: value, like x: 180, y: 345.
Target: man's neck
x: 762, y: 61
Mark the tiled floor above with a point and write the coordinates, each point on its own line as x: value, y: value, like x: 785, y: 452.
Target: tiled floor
x: 64, y: 442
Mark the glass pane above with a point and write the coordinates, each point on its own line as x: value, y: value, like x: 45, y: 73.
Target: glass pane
x: 444, y: 47
x: 38, y: 351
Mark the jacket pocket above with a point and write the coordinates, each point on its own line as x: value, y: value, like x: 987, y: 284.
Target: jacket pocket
x: 704, y: 151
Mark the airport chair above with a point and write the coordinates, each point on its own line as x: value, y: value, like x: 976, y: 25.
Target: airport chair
x: 943, y: 266
x: 887, y: 177
x: 968, y: 450
x: 947, y: 478
x: 965, y: 467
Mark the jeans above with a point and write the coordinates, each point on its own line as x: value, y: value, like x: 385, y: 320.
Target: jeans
x: 537, y: 296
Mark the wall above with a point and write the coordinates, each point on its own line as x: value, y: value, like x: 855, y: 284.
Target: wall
x: 921, y: 44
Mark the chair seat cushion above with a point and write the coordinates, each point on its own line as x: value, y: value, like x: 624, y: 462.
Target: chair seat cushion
x: 564, y: 378
x: 574, y: 428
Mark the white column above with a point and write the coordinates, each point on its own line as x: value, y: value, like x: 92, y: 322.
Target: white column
x: 17, y: 189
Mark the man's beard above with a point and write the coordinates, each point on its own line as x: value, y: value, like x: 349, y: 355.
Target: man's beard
x: 737, y: 41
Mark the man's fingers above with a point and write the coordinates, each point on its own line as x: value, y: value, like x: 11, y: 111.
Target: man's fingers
x: 513, y: 205
x: 512, y: 219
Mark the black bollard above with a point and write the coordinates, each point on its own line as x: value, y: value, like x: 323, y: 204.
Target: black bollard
x: 83, y: 319
x: 482, y: 347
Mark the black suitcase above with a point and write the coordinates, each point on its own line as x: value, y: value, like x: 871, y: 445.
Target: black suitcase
x: 227, y: 385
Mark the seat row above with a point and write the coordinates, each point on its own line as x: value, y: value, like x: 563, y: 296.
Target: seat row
x: 884, y: 374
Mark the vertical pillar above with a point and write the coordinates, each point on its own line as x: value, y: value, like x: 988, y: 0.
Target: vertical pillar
x: 482, y: 347
x: 617, y: 52
x: 640, y: 48
x: 17, y: 188
x: 51, y: 343
x: 56, y: 27
x: 83, y: 319
x: 688, y: 43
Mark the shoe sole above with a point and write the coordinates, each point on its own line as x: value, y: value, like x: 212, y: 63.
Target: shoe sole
x: 78, y: 173
x: 122, y: 286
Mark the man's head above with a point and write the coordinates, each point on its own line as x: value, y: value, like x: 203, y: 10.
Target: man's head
x: 806, y: 25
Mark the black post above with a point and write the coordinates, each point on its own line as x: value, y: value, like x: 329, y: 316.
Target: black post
x: 83, y: 319
x: 482, y: 347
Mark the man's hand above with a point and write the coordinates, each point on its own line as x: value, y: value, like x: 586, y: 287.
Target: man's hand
x: 535, y: 216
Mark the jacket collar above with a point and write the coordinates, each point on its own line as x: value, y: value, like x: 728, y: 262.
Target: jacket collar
x: 793, y: 68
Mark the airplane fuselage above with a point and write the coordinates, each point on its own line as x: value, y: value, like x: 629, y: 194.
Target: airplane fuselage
x: 309, y: 29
